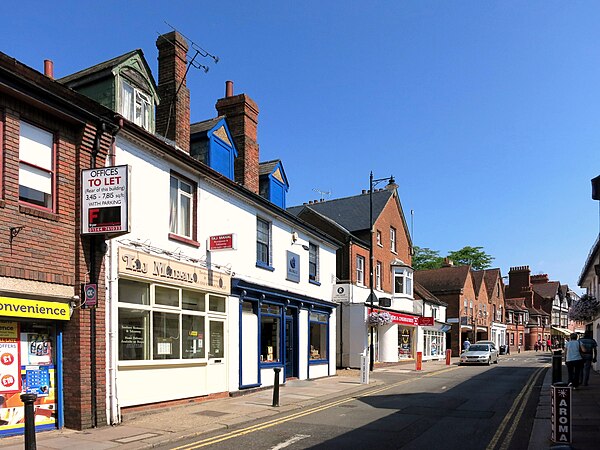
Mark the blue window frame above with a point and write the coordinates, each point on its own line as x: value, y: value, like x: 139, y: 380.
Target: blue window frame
x: 270, y: 333
x: 318, y: 337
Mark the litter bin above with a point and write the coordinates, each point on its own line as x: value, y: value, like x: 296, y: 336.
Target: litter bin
x: 502, y: 350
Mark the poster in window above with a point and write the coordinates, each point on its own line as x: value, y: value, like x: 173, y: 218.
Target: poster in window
x: 38, y: 350
x: 10, y: 365
x: 216, y: 340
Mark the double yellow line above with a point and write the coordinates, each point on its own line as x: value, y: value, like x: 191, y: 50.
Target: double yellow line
x: 274, y: 422
x: 521, y: 400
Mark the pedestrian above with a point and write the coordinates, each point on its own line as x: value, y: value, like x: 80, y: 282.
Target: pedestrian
x: 466, y: 345
x: 543, y: 346
x: 535, y: 346
x: 573, y: 360
x: 588, y: 347
x: 549, y: 345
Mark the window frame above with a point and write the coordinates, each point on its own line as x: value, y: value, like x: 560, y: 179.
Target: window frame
x: 378, y: 275
x: 313, y: 253
x: 151, y: 308
x: 138, y: 96
x: 378, y: 237
x: 393, y: 236
x: 175, y: 235
x: 407, y: 276
x: 52, y: 171
x: 279, y: 316
x: 2, y: 119
x: 360, y: 270
x: 321, y: 323
x: 268, y: 245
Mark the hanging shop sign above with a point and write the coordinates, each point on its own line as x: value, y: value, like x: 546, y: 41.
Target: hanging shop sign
x: 36, y: 309
x: 105, y: 200
x: 222, y: 242
x: 341, y: 293
x: 426, y: 321
x: 155, y: 268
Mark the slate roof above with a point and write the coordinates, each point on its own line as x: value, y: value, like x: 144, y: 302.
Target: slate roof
x: 352, y: 213
x: 267, y: 167
x: 205, y: 125
x: 517, y: 304
x: 546, y: 290
x: 443, y: 279
x: 100, y: 68
x: 424, y: 294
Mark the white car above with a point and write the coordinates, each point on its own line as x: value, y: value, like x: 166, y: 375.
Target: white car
x: 492, y: 343
x: 479, y: 354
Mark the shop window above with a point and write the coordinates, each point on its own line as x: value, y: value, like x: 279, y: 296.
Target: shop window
x: 217, y: 336
x: 360, y: 270
x: 216, y: 303
x: 313, y: 262
x: 161, y: 323
x: 182, y: 202
x: 270, y: 333
x: 263, y: 243
x: 403, y: 281
x: 135, y: 105
x: 318, y: 336
x: 192, y: 328
x: 165, y: 328
x: 134, y: 333
x: 36, y: 166
x: 166, y: 296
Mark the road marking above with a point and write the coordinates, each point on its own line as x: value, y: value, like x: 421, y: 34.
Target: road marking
x: 274, y: 422
x: 526, y: 391
x: 290, y: 441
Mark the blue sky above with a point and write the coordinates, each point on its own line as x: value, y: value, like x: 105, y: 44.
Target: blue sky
x: 487, y: 113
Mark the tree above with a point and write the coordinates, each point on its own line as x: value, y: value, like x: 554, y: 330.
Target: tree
x: 424, y: 258
x: 475, y: 256
x: 586, y: 309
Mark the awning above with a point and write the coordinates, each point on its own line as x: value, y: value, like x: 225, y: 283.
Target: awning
x: 443, y: 327
x: 562, y: 330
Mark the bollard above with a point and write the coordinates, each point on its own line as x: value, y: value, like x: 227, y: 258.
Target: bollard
x: 419, y: 361
x: 28, y: 400
x: 556, y: 366
x: 276, y: 386
x: 448, y: 356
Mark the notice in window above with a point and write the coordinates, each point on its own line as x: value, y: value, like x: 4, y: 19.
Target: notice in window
x: 132, y: 336
x: 163, y: 348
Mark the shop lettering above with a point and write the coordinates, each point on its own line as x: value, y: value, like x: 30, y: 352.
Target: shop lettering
x: 134, y: 264
x: 9, y: 307
x: 163, y: 270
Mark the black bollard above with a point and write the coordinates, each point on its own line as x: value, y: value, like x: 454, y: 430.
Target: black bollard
x: 556, y: 366
x: 276, y: 386
x: 28, y: 401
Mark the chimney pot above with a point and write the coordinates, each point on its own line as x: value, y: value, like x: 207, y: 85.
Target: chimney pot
x: 228, y: 88
x: 49, y: 68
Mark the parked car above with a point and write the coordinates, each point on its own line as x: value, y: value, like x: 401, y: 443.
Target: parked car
x: 479, y: 354
x: 492, y: 343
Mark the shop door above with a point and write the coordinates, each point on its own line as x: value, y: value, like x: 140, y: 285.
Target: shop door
x: 291, y: 366
x: 217, y: 366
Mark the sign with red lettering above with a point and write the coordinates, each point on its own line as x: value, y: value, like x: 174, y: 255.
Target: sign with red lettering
x: 105, y: 200
x: 10, y: 366
x: 426, y: 321
x: 402, y: 319
x: 222, y: 242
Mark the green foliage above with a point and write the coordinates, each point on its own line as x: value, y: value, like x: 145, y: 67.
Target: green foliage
x: 471, y: 255
x: 424, y: 258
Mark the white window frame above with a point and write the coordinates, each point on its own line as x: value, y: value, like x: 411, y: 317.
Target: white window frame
x: 407, y: 281
x: 393, y: 239
x: 37, y: 171
x: 176, y: 219
x: 378, y: 234
x: 139, y: 109
x: 360, y: 270
x: 313, y: 261
x: 378, y: 275
x: 267, y: 243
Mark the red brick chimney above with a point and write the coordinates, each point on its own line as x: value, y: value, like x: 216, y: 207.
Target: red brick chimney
x: 519, y: 281
x: 241, y: 114
x: 173, y: 113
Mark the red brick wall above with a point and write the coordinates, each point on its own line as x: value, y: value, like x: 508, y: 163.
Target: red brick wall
x: 49, y: 248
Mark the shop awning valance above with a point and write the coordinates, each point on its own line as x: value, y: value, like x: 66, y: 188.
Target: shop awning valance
x: 562, y: 330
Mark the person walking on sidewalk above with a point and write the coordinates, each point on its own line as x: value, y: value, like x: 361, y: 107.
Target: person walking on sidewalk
x: 466, y: 345
x: 589, y: 351
x: 573, y: 360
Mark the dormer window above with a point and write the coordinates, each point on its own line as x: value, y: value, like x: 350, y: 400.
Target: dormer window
x: 403, y: 281
x: 135, y: 105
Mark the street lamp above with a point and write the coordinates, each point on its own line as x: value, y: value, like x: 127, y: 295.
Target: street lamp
x: 372, y: 183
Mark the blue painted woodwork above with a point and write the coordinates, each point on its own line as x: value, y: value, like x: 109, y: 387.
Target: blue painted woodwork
x: 207, y: 147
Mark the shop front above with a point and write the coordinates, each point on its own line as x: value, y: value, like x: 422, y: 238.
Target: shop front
x: 172, y: 329
x: 283, y: 330
x: 434, y: 341
x: 31, y: 362
x: 396, y: 336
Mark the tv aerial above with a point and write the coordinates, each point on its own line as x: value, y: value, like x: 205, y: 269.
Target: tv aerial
x: 322, y: 193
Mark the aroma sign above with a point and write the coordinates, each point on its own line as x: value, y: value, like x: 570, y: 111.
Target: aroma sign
x: 561, y: 414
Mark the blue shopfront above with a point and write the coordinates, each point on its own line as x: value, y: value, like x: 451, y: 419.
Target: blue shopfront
x: 282, y: 329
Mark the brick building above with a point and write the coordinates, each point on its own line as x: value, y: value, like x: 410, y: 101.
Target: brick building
x: 48, y: 134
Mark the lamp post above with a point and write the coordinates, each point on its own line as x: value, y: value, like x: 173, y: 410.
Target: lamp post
x: 372, y: 183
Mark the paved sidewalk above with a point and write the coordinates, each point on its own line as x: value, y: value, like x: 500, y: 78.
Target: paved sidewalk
x: 585, y: 420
